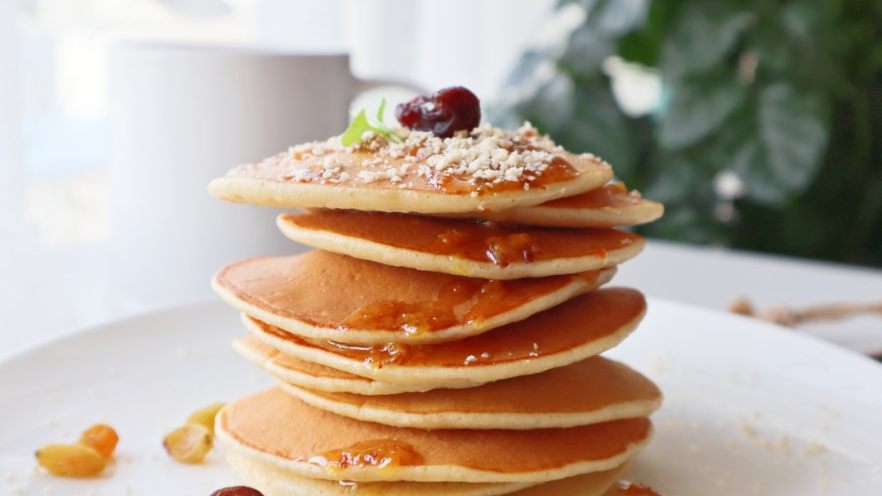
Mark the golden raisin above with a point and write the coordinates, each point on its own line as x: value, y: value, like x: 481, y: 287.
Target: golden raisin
x: 102, y: 438
x: 188, y: 443
x: 205, y: 416
x: 71, y: 460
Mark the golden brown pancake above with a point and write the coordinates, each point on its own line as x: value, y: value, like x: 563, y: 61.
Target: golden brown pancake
x: 272, y: 481
x: 322, y: 295
x: 459, y: 246
x: 313, y: 375
x: 582, y: 327
x: 588, y: 392
x: 310, y: 442
x: 610, y: 205
x: 309, y: 374
x: 489, y: 169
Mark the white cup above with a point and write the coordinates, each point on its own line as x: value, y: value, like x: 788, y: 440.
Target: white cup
x: 182, y: 115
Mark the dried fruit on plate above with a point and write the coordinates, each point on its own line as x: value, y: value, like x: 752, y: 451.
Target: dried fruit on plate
x: 71, y: 460
x: 102, y: 437
x: 86, y: 458
x: 205, y: 416
x: 188, y: 443
x: 237, y: 491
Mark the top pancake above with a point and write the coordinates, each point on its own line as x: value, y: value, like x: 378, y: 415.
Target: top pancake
x: 610, y: 205
x: 488, y: 168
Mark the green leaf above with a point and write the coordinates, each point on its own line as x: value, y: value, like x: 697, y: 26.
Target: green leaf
x: 698, y: 108
x: 703, y: 34
x: 356, y: 129
x: 586, y: 51
x: 793, y: 133
x: 381, y: 111
x: 644, y: 44
x: 776, y: 145
x: 360, y: 125
x: 616, y: 17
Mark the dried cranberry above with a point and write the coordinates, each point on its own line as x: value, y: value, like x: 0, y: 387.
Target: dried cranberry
x: 443, y: 112
x: 237, y: 491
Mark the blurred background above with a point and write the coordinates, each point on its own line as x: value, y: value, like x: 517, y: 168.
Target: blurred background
x: 757, y: 123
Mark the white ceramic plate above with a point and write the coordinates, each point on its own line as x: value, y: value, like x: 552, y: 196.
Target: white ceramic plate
x: 749, y: 409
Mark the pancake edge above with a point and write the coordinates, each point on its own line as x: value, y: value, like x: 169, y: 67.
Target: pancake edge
x: 428, y: 473
x: 350, y: 335
x: 481, y: 421
x: 355, y: 385
x: 273, y: 482
x: 403, y: 257
x: 644, y: 212
x: 454, y: 376
x: 255, y: 191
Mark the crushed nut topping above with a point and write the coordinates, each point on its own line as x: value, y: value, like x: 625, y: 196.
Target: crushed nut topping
x: 480, y: 159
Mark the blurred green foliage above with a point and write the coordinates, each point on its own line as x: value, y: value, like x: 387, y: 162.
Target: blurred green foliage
x: 785, y: 95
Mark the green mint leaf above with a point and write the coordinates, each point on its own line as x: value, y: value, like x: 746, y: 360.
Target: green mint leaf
x: 356, y: 129
x: 360, y: 124
x: 381, y: 111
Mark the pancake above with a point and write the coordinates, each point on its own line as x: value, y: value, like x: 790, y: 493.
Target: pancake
x: 279, y: 429
x: 322, y: 295
x: 313, y: 375
x: 488, y: 169
x: 610, y: 205
x: 592, y: 391
x: 580, y: 328
x: 272, y: 481
x: 461, y: 247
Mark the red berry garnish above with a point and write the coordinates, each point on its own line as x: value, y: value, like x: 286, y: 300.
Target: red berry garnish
x: 443, y: 112
x: 237, y: 491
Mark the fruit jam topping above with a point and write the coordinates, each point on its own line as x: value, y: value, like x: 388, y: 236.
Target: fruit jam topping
x: 379, y: 453
x: 442, y: 113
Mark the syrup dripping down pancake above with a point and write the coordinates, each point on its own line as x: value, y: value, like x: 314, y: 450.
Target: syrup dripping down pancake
x: 309, y: 442
x: 322, y: 295
x: 580, y: 328
x: 313, y: 375
x: 459, y: 246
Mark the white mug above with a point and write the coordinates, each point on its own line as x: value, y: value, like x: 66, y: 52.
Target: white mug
x: 182, y: 115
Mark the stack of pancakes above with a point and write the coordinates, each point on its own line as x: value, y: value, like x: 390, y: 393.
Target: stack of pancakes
x: 444, y: 339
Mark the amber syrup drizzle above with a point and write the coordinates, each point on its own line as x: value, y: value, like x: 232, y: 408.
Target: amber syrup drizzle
x: 379, y: 453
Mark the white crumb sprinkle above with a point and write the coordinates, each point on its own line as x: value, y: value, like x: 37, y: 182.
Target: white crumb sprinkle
x: 483, y: 157
x: 469, y: 359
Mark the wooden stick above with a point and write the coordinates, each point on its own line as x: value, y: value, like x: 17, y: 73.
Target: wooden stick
x: 790, y: 317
